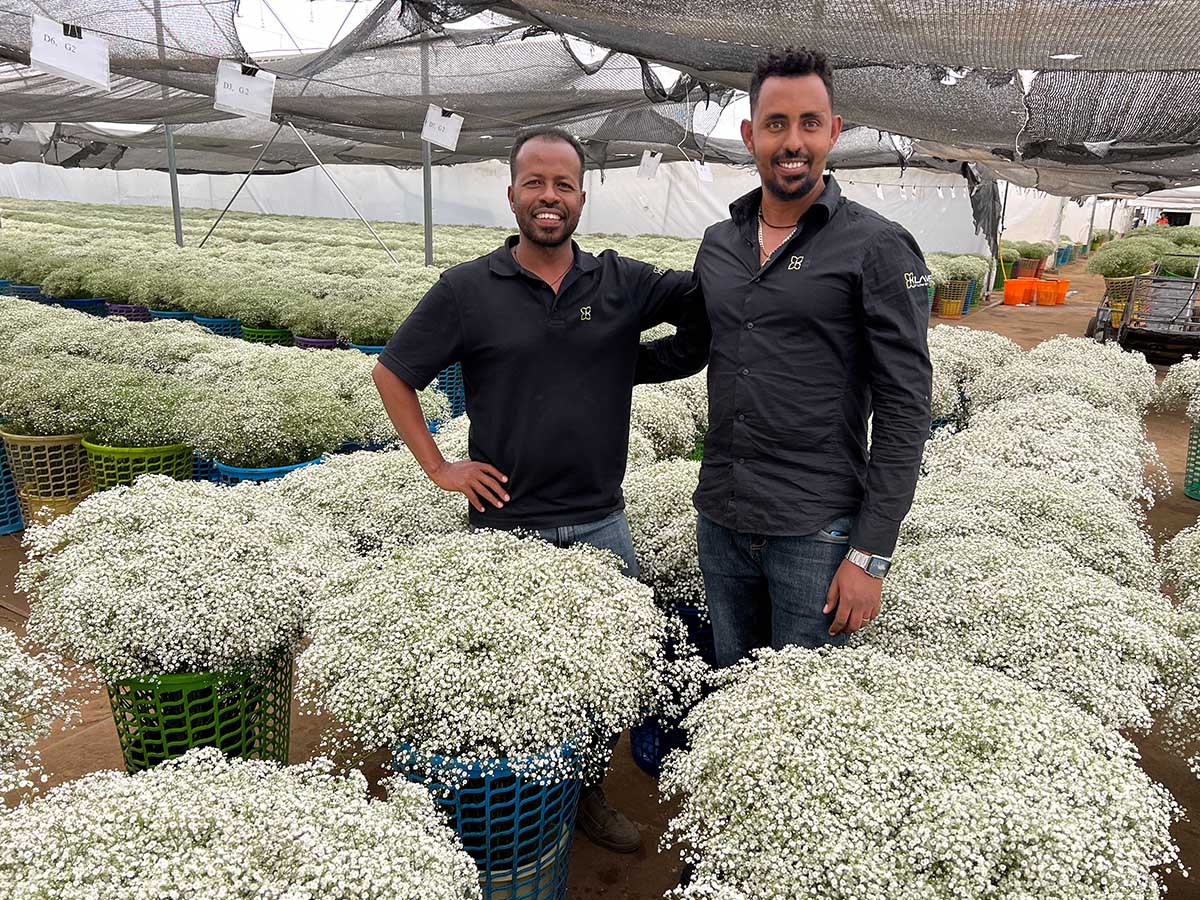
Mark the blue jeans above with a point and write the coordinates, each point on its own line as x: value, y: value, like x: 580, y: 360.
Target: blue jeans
x: 767, y: 590
x: 609, y: 533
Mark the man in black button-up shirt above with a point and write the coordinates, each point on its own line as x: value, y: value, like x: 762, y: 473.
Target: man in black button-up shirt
x: 818, y: 308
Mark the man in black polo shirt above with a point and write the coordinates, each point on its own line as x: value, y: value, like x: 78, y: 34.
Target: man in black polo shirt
x: 819, y: 310
x: 548, y: 339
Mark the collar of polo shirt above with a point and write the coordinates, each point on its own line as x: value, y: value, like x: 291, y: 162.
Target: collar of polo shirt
x: 501, y: 261
x: 745, y: 208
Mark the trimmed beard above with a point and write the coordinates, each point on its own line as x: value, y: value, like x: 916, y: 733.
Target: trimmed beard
x: 528, y: 229
x: 780, y: 193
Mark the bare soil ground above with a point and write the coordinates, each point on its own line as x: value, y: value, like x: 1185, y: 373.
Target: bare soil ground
x: 599, y: 875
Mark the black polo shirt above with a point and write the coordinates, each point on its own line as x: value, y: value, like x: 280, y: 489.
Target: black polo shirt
x: 548, y: 379
x: 804, y: 349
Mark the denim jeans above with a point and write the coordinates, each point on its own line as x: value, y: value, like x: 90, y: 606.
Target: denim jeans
x: 765, y: 590
x: 609, y: 533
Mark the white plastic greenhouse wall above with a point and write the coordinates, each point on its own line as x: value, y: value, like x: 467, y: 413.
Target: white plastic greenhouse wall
x: 676, y: 202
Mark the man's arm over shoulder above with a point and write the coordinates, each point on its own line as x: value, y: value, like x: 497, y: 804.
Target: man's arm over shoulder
x: 896, y: 318
x: 675, y: 297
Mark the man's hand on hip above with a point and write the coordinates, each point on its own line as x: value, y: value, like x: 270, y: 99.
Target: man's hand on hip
x: 856, y: 596
x: 478, y: 481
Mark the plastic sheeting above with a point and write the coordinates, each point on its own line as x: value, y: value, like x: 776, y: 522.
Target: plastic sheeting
x: 675, y: 202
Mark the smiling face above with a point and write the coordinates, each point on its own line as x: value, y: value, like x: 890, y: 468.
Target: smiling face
x: 790, y: 133
x: 547, y: 191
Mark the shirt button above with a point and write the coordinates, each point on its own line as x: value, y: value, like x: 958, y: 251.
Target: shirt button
x: 741, y: 460
x: 741, y: 417
x: 749, y: 325
x: 745, y: 371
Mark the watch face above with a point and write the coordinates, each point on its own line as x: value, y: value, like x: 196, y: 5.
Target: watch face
x: 878, y: 567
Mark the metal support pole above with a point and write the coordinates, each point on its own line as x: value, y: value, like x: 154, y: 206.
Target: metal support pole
x: 253, y: 169
x: 1087, y: 248
x: 361, y: 218
x: 427, y: 163
x: 174, y: 185
x: 1111, y: 214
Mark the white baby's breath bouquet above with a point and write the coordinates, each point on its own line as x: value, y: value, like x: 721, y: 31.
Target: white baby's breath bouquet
x: 168, y: 577
x: 662, y: 521
x: 856, y: 775
x: 33, y: 696
x: 487, y: 646
x: 206, y: 826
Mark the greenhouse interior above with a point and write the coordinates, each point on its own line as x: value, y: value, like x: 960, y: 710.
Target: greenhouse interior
x: 548, y: 450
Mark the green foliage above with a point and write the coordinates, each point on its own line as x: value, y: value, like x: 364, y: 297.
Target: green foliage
x: 1123, y: 259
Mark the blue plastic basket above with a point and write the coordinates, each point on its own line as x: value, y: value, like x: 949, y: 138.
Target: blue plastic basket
x: 223, y: 327
x: 223, y: 474
x: 25, y: 291
x: 93, y: 306
x: 169, y: 314
x: 10, y: 509
x: 518, y: 831
x: 970, y: 301
x: 654, y: 738
x: 202, y: 469
x: 450, y: 382
x: 369, y: 349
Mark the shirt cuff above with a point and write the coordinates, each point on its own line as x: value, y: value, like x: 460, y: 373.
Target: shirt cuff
x: 873, y: 535
x: 404, y: 373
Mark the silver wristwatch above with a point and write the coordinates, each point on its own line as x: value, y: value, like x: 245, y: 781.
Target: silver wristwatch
x: 875, y: 566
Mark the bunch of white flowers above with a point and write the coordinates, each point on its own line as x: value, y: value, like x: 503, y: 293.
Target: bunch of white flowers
x: 857, y: 775
x: 378, y: 501
x: 1181, y: 563
x: 483, y: 646
x: 960, y: 355
x: 1102, y: 374
x: 693, y: 391
x: 168, y: 577
x: 665, y: 420
x: 231, y: 829
x: 1033, y: 615
x: 662, y: 520
x: 453, y: 438
x: 32, y: 697
x: 1060, y: 435
x: 1181, y: 388
x: 1032, y: 509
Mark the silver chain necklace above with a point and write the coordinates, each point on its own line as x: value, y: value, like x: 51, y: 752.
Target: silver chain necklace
x: 763, y: 244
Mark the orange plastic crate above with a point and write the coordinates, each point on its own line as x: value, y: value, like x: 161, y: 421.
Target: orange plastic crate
x: 1018, y: 291
x: 1046, y: 293
x: 1063, y: 285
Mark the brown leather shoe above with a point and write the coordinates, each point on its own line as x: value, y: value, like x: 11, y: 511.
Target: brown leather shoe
x: 605, y: 826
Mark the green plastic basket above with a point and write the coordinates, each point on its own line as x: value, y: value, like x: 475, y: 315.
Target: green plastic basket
x: 113, y: 466
x: 243, y: 714
x: 1191, y: 471
x: 267, y: 336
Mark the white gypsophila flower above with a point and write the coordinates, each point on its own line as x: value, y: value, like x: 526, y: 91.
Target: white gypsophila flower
x: 959, y: 355
x: 1181, y: 563
x: 33, y: 695
x: 1180, y: 725
x: 1102, y: 374
x: 1033, y: 615
x: 662, y: 521
x: 665, y: 420
x: 1032, y: 509
x: 1060, y: 435
x: 453, y: 438
x: 693, y: 391
x: 167, y: 577
x: 1181, y: 386
x: 853, y: 774
x: 378, y: 501
x: 658, y: 332
x: 487, y: 645
x: 641, y: 451
x: 205, y: 825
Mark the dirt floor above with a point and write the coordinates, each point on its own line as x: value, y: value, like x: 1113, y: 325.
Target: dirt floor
x: 595, y: 873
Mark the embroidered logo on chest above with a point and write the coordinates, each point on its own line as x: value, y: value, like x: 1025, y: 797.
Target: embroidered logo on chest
x: 585, y: 314
x: 912, y: 281
x: 795, y: 263
x: 659, y: 270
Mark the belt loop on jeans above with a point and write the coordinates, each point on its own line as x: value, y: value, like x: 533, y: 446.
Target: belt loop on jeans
x: 757, y: 543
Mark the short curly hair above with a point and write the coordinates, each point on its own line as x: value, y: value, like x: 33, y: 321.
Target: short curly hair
x: 789, y: 62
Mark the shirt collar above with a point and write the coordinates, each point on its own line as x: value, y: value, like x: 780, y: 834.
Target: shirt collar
x: 745, y: 208
x: 501, y: 261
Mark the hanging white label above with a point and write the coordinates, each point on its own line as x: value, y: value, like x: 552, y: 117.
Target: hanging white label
x: 941, y: 193
x: 442, y: 127
x: 244, y: 90
x: 879, y: 192
x: 649, y: 165
x: 64, y: 50
x: 703, y: 172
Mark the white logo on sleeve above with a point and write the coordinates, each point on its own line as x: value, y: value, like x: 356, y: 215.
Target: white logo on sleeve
x: 659, y: 270
x: 912, y: 281
x: 585, y: 314
x: 796, y: 263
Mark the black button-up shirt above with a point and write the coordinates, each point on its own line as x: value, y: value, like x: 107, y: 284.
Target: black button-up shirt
x: 548, y: 378
x: 803, y: 350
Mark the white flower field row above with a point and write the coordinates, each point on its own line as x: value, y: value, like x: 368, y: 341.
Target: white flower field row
x: 965, y: 745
